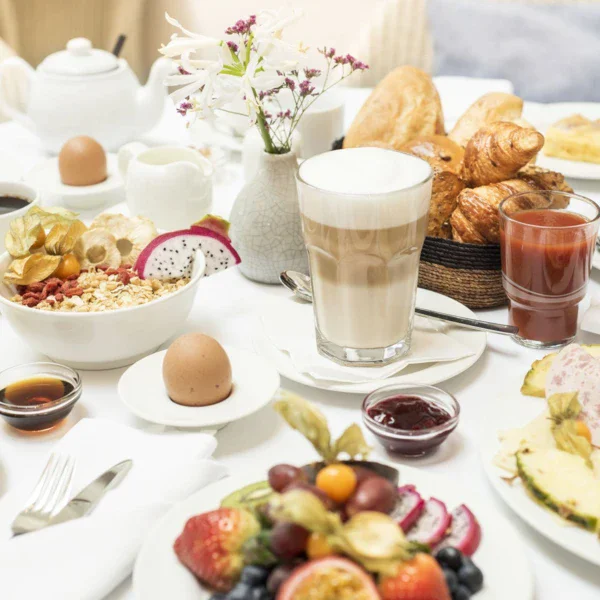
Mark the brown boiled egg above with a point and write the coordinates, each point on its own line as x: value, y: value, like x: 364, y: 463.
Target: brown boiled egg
x: 82, y: 161
x: 197, y: 371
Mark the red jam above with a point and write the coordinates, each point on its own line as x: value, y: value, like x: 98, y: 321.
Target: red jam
x: 409, y: 413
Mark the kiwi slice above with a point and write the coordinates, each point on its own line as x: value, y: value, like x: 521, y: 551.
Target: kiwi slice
x: 251, y: 496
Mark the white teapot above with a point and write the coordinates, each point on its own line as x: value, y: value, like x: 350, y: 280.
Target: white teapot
x: 87, y: 91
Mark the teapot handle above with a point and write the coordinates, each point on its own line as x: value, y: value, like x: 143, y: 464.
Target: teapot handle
x: 5, y: 107
x: 126, y: 154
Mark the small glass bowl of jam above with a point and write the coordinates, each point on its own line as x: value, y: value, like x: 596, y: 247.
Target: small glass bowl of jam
x: 408, y: 419
x: 38, y: 396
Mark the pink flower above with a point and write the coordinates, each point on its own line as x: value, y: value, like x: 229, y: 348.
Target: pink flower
x: 306, y: 89
x: 310, y: 73
x: 232, y: 46
x: 242, y: 27
x: 358, y: 65
x: 182, y: 71
x: 184, y: 107
x: 291, y: 84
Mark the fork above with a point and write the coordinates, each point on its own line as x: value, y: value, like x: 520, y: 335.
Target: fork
x: 48, y: 495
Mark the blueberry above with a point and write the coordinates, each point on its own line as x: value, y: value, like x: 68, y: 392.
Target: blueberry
x: 451, y: 558
x: 242, y: 591
x: 254, y: 575
x: 461, y: 593
x: 470, y: 576
x: 451, y: 579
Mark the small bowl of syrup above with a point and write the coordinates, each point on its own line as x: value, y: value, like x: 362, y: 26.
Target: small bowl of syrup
x: 411, y: 420
x: 38, y: 396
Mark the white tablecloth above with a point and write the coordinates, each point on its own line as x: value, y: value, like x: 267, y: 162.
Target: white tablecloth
x: 221, y: 310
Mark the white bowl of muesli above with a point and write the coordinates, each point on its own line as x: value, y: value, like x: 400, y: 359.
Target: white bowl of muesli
x: 103, y: 319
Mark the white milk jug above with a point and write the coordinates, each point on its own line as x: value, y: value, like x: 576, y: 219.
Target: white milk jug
x: 170, y: 185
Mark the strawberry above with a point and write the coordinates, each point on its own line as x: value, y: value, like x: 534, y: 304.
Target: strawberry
x: 210, y: 545
x: 418, y: 579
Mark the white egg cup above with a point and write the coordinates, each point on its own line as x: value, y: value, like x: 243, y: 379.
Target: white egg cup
x: 46, y: 178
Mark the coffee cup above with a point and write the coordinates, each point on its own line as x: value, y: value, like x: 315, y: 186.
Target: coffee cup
x: 15, y: 200
x: 322, y: 124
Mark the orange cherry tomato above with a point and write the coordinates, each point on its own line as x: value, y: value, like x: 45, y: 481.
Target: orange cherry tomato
x: 338, y: 481
x: 317, y: 546
x: 583, y: 430
x: 69, y: 265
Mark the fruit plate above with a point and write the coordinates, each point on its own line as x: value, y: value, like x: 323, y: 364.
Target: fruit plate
x: 422, y: 374
x: 158, y: 574
x: 142, y: 390
x: 517, y: 411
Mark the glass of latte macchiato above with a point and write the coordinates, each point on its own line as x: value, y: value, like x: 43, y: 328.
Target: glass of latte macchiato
x: 364, y: 216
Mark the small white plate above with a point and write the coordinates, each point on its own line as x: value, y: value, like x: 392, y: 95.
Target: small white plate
x: 46, y: 178
x: 142, y: 390
x: 517, y: 411
x: 501, y: 556
x: 543, y: 116
x: 426, y: 373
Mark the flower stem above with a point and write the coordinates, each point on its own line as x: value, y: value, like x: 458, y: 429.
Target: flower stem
x: 264, y: 132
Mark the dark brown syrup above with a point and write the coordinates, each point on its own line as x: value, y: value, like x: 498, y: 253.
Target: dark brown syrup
x: 35, y: 392
x: 10, y: 203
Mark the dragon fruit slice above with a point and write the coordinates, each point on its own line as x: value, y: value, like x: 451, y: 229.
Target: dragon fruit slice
x: 432, y: 525
x: 465, y: 532
x: 214, y: 223
x: 171, y: 255
x: 409, y: 507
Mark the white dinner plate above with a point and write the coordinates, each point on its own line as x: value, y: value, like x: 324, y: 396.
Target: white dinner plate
x: 517, y: 411
x: 545, y: 115
x: 142, y: 390
x: 501, y: 556
x: 46, y: 178
x: 426, y: 373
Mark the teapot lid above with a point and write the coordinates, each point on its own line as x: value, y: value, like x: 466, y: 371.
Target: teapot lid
x: 79, y: 59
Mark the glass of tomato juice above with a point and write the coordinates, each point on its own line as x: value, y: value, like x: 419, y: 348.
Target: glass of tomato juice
x: 547, y: 243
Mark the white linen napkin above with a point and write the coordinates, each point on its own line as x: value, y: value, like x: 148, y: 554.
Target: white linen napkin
x: 290, y: 327
x: 591, y: 318
x: 86, y: 558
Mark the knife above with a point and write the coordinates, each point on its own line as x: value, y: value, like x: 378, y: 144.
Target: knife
x: 88, y: 498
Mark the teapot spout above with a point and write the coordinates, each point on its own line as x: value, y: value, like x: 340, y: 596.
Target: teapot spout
x: 151, y: 97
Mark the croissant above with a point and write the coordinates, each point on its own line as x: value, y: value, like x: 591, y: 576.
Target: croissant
x: 497, y: 151
x: 446, y: 159
x: 495, y: 106
x: 404, y: 105
x: 476, y: 219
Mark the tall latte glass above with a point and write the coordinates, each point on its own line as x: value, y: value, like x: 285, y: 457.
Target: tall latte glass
x: 364, y: 216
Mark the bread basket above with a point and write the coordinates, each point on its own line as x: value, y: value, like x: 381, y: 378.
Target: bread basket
x: 469, y: 273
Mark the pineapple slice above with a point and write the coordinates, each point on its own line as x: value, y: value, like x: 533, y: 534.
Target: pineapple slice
x: 563, y: 483
x: 534, y: 383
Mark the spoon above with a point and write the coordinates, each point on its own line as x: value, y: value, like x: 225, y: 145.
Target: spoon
x: 301, y: 287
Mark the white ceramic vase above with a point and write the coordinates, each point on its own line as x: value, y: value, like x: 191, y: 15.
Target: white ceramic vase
x: 265, y: 221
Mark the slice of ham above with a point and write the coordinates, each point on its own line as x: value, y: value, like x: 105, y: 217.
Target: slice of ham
x: 575, y: 370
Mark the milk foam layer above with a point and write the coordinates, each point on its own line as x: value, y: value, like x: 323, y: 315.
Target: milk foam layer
x: 364, y: 188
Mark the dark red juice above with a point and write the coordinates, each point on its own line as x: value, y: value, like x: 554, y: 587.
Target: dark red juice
x: 546, y: 263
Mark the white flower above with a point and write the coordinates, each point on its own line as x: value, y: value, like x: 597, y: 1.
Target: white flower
x: 193, y: 41
x: 268, y: 31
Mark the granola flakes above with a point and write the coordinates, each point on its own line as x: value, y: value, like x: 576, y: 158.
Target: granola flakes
x: 97, y: 290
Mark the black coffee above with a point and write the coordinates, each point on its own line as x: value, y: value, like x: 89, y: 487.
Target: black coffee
x: 10, y: 203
